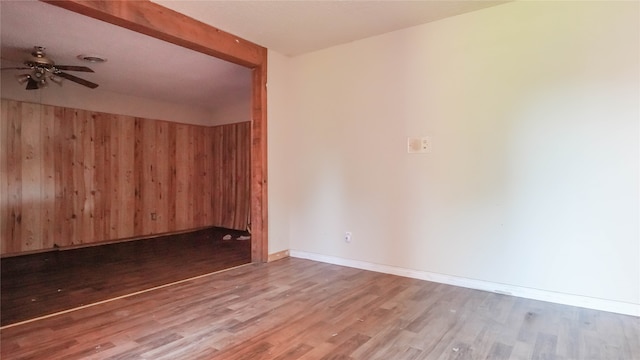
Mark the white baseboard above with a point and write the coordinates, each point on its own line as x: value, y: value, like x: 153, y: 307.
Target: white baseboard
x: 519, y: 291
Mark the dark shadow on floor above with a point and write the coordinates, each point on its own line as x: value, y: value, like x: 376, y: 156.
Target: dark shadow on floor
x: 45, y: 283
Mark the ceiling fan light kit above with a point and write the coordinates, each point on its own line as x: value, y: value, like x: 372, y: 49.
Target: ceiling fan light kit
x: 45, y: 69
x: 23, y: 78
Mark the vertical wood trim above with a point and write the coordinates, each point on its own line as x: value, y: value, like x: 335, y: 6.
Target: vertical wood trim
x: 216, y: 183
x: 149, y: 178
x: 60, y: 226
x: 208, y: 176
x: 30, y: 178
x: 231, y: 164
x: 138, y: 176
x: 12, y: 194
x: 182, y: 178
x: 161, y: 190
x: 4, y: 189
x: 259, y: 190
x: 102, y: 208
x: 48, y: 188
x: 70, y: 194
x: 171, y: 180
x: 77, y: 188
x: 113, y: 174
x: 15, y: 175
x: 197, y: 181
x: 245, y: 163
x: 87, y: 148
x: 128, y: 173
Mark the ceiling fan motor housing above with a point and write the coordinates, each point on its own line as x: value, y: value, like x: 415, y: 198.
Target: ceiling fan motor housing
x: 39, y: 58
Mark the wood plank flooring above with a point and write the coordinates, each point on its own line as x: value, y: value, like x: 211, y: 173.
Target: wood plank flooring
x: 300, y: 309
x: 46, y: 283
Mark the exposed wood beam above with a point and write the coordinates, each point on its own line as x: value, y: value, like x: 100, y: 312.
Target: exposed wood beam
x: 157, y: 21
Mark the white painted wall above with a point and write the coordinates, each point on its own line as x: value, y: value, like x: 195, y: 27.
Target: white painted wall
x: 533, y: 108
x: 280, y: 170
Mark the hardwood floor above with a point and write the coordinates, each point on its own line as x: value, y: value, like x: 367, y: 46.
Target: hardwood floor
x: 300, y: 309
x: 46, y: 283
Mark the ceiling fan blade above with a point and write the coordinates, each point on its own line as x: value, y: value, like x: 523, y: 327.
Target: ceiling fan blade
x: 73, y: 68
x: 32, y: 84
x: 77, y: 80
x: 15, y: 68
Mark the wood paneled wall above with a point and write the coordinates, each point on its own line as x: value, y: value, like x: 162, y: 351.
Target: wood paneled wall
x: 71, y: 177
x: 235, y: 181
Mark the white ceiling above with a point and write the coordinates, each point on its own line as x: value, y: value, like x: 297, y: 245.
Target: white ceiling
x: 296, y: 27
x: 146, y: 67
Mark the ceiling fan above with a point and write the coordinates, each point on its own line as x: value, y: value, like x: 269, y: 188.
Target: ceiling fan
x: 45, y: 69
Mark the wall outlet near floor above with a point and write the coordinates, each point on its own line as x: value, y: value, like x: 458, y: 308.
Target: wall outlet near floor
x: 154, y: 216
x: 347, y: 236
